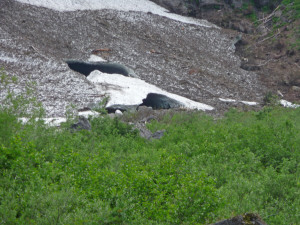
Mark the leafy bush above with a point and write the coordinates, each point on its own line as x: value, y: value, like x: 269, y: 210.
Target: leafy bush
x: 202, y: 170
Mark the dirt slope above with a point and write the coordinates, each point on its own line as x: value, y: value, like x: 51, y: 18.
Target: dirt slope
x: 190, y: 60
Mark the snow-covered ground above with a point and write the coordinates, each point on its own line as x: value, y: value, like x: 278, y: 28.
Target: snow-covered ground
x: 288, y: 104
x: 233, y: 100
x: 120, y: 5
x: 131, y: 91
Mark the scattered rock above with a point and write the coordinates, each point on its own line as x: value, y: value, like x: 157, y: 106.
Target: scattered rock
x: 144, y: 132
x: 122, y: 108
x: 82, y: 124
x: 248, y: 218
x: 148, y: 119
x: 147, y: 134
x: 296, y: 88
x: 158, y: 134
x: 249, y: 67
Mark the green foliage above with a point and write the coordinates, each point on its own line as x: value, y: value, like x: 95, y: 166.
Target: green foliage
x: 270, y: 99
x: 293, y: 4
x: 202, y: 170
x: 100, y: 108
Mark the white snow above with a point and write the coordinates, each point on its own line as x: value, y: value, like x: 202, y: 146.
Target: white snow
x: 287, y: 104
x: 131, y: 91
x: 89, y: 113
x: 118, y: 112
x: 232, y: 100
x: 55, y: 121
x: 227, y: 100
x: 120, y: 5
x: 95, y: 58
x: 249, y: 103
x: 8, y: 59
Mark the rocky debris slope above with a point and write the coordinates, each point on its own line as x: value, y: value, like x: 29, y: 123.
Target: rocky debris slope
x: 196, y: 61
x: 270, y: 34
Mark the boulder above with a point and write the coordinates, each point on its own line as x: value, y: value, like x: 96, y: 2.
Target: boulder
x: 158, y: 134
x: 247, y: 218
x: 147, y: 134
x: 122, y: 108
x: 144, y: 132
x: 159, y: 101
x: 82, y: 124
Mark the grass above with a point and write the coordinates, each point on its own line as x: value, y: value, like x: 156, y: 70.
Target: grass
x: 201, y: 171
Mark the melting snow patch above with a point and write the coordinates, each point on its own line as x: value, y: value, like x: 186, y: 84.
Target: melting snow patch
x: 55, y: 122
x: 227, y: 100
x: 121, y: 5
x: 8, y: 59
x: 87, y: 114
x: 287, y: 104
x: 131, y: 91
x: 95, y: 58
x: 249, y: 103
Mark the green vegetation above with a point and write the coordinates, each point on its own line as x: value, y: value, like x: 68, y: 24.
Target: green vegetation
x: 293, y: 4
x: 201, y: 171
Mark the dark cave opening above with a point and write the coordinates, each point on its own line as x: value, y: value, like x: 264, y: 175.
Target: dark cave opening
x: 86, y: 68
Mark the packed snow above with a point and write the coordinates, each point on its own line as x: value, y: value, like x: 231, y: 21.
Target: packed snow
x: 53, y: 122
x: 131, y: 91
x: 233, y: 100
x: 287, y: 104
x: 249, y: 103
x: 120, y: 5
x: 96, y: 58
x: 227, y: 100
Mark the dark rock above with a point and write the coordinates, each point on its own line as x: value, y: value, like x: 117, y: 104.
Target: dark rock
x: 249, y: 67
x: 158, y: 134
x: 247, y: 218
x: 148, y: 119
x: 159, y: 101
x: 265, y: 3
x: 144, y: 109
x: 147, y: 134
x: 86, y: 68
x: 82, y: 124
x: 122, y: 108
x: 144, y: 132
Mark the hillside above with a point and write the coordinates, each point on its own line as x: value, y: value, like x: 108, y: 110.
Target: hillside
x: 122, y: 112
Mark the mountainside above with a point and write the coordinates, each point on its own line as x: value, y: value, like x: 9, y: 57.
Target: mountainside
x: 123, y: 138
x: 196, y: 60
x: 270, y: 37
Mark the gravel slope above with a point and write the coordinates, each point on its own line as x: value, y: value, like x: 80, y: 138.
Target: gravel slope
x: 194, y: 61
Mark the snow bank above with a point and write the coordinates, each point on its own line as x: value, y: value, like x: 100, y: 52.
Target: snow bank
x: 120, y: 5
x: 287, y: 104
x: 55, y: 121
x: 131, y: 91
